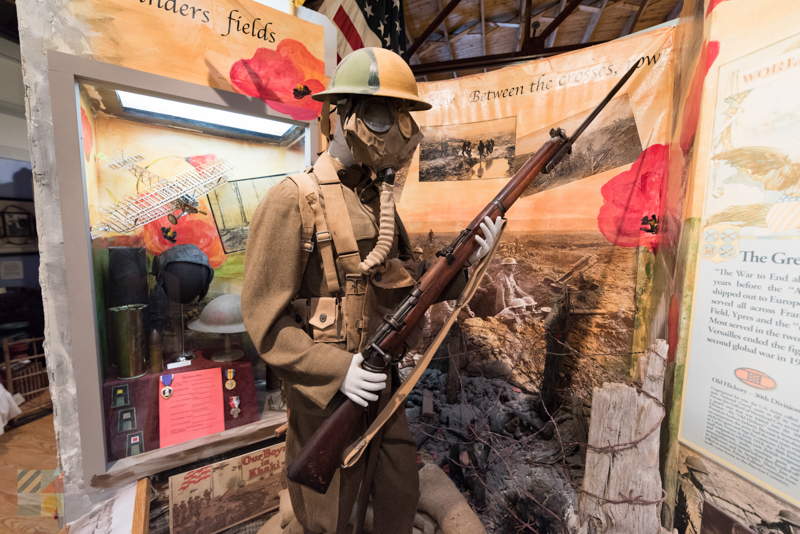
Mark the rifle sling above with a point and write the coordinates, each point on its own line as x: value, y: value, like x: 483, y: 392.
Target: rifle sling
x: 354, y: 451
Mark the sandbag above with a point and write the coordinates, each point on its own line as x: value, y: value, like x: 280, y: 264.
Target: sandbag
x: 440, y: 498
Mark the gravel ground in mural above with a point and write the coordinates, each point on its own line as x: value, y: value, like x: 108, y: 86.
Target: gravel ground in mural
x: 475, y: 151
x: 515, y: 464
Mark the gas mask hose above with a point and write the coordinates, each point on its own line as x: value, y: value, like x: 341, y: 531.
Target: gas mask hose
x: 386, y: 227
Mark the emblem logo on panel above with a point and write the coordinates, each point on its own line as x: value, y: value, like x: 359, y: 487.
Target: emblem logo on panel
x: 719, y: 242
x: 754, y: 378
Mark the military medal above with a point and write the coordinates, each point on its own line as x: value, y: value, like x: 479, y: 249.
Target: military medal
x: 229, y: 374
x: 166, y: 391
x: 234, y: 404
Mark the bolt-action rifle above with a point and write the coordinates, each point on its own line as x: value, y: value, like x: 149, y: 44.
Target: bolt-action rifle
x: 317, y: 462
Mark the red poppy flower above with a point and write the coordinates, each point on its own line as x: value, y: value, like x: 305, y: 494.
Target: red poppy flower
x: 88, y: 136
x: 284, y: 78
x: 194, y: 228
x: 632, y: 195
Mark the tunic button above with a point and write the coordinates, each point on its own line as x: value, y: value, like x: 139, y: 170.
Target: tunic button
x: 298, y: 319
x: 378, y: 277
x: 323, y: 318
x: 342, y: 173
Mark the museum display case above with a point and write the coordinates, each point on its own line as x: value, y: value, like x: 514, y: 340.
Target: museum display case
x: 165, y: 178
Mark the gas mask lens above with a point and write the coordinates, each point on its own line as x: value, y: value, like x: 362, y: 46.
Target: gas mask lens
x: 405, y: 123
x: 377, y: 117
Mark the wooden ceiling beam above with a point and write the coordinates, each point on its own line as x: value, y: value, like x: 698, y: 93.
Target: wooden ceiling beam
x: 675, y: 12
x: 642, y: 7
x: 626, y: 29
x: 523, y: 6
x: 494, y: 60
x: 548, y: 43
x: 414, y: 59
x: 593, y: 22
x: 443, y: 13
x: 541, y: 39
x: 447, y: 36
x: 483, y: 27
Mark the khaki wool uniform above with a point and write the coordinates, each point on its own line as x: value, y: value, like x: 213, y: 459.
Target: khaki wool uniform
x: 310, y: 347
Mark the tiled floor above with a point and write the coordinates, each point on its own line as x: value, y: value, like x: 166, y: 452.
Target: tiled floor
x: 31, y: 446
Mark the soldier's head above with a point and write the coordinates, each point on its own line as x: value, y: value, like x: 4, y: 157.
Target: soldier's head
x: 417, y: 253
x: 374, y: 92
x: 509, y: 264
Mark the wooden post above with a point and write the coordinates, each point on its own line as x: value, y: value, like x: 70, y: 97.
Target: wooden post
x: 141, y: 508
x: 556, y: 327
x: 457, y: 348
x: 622, y: 461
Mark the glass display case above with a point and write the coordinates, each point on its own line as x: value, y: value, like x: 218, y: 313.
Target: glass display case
x: 170, y: 176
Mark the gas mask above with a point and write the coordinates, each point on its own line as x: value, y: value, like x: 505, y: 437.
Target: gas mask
x: 380, y: 133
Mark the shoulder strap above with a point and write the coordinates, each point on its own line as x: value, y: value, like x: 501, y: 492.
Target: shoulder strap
x: 338, y: 217
x: 312, y: 216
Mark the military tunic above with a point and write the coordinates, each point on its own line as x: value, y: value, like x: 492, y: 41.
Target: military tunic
x: 313, y: 372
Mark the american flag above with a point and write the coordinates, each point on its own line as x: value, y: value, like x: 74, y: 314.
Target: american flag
x: 366, y: 23
x: 194, y: 477
x: 784, y: 214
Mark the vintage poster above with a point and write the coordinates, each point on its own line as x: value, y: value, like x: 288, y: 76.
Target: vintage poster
x: 215, y: 497
x: 742, y: 406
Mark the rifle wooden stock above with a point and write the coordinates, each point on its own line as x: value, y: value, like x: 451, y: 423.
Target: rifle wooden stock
x: 317, y: 462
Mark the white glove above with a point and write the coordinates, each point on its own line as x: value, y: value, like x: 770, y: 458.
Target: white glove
x: 359, y: 383
x: 490, y: 231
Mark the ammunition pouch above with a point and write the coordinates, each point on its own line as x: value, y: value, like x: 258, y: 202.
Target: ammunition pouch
x: 321, y: 318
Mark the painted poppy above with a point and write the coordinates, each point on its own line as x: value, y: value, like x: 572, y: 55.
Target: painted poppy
x: 632, y: 196
x: 284, y: 78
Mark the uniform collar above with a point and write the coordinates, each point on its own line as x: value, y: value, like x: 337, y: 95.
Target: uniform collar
x: 349, y: 176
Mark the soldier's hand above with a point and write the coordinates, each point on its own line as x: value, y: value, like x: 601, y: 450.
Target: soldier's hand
x: 490, y: 230
x: 359, y: 384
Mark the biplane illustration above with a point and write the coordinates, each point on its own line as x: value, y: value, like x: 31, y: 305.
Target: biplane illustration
x: 158, y: 197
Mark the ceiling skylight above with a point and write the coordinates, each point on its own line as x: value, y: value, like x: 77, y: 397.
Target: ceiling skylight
x: 191, y: 112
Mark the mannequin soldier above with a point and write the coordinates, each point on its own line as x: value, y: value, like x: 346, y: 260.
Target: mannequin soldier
x: 313, y: 292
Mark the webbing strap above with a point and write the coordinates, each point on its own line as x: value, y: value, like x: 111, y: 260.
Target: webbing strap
x: 337, y: 215
x: 312, y: 216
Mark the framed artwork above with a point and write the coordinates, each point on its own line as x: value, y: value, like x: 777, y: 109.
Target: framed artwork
x: 17, y: 227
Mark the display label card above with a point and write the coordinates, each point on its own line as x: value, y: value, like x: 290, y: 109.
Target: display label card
x: 194, y: 409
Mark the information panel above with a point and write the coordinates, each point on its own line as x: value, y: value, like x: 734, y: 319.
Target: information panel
x: 742, y: 394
